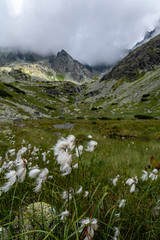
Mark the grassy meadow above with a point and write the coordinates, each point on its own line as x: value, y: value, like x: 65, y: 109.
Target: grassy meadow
x: 124, y: 149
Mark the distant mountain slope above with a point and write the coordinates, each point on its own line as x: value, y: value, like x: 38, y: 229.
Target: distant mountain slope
x: 139, y: 61
x: 130, y: 88
x: 62, y: 64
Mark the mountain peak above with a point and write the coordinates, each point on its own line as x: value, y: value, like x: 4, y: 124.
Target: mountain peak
x: 62, y: 53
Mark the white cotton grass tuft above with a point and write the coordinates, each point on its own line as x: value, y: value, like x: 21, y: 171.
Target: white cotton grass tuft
x: 64, y: 145
x: 154, y: 174
x: 12, y: 152
x: 66, y: 169
x: 89, y: 136
x: 79, y: 190
x: 39, y: 183
x: 91, y: 146
x: 63, y: 152
x: 86, y: 194
x: 79, y: 150
x: 116, y: 234
x: 41, y: 179
x: 132, y: 182
x: 72, y: 141
x: 44, y: 154
x: 67, y: 195
x: 88, y: 226
x: 63, y: 215
x: 64, y: 158
x: 12, y: 178
x: 34, y: 172
x: 144, y: 177
x: 22, y: 169
x: 61, y: 146
x: 20, y: 153
x: 75, y: 166
x: 133, y: 188
x: 117, y: 215
x: 114, y: 181
x: 122, y: 203
x: 35, y: 151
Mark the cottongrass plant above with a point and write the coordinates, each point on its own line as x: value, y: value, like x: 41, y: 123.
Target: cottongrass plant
x: 67, y: 154
x: 88, y: 227
x: 84, y: 209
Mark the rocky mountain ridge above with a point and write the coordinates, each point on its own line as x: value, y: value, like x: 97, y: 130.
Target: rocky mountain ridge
x: 139, y: 61
x: 63, y: 63
x: 148, y: 36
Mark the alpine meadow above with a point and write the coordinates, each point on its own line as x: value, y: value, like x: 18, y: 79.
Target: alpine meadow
x: 79, y: 120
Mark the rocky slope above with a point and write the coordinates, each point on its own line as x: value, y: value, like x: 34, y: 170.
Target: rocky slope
x: 138, y: 62
x: 132, y: 87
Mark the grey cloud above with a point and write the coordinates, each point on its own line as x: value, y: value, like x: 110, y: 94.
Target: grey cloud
x: 92, y: 31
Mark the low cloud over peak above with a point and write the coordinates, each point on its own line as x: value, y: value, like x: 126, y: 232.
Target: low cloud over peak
x: 93, y: 31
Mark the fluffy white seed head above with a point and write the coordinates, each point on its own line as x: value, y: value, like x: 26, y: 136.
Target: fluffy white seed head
x: 122, y: 203
x: 155, y: 171
x: 114, y: 181
x: 64, y: 215
x: 75, y: 166
x: 62, y: 145
x: 86, y: 193
x: 116, y: 234
x: 144, y: 176
x: 34, y: 172
x: 66, y: 169
x: 91, y: 146
x: 79, y: 150
x: 89, y: 136
x: 12, y: 177
x: 43, y: 174
x: 130, y: 181
x: 21, y: 173
x: 133, y: 188
x: 71, y: 140
x: 64, y: 157
x: 41, y: 179
x: 90, y: 226
x: 79, y: 190
x: 44, y: 156
x: 67, y: 195
x: 39, y: 183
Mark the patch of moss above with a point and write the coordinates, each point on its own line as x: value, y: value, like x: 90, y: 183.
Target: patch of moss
x: 60, y: 77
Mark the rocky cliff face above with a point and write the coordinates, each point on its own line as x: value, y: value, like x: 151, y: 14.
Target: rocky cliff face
x: 141, y: 60
x: 65, y: 64
x: 62, y: 64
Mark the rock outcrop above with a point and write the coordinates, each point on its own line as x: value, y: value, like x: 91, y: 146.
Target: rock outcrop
x: 141, y: 60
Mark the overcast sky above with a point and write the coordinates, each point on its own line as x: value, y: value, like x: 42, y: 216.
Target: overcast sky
x: 91, y: 31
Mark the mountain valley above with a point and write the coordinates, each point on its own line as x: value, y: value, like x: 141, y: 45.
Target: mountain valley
x: 34, y: 86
